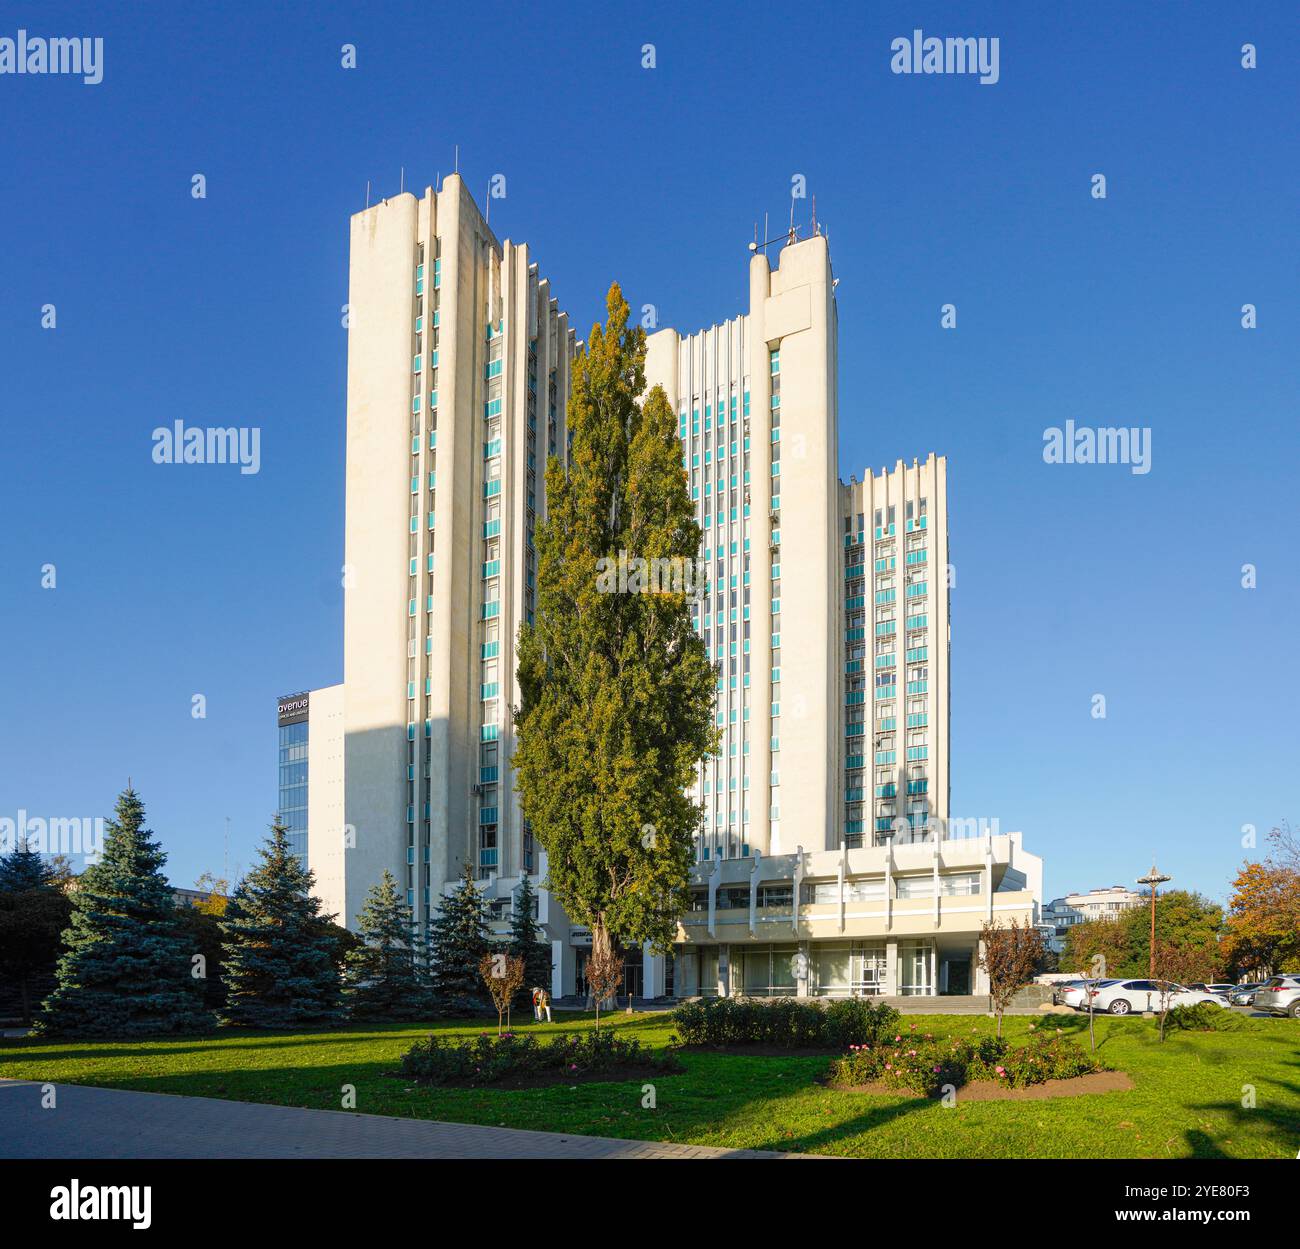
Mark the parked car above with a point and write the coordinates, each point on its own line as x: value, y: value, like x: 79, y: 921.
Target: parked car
x: 1122, y: 996
x: 1280, y: 995
x: 1244, y: 994
x: 1071, y: 993
x: 1060, y: 988
x: 1223, y: 990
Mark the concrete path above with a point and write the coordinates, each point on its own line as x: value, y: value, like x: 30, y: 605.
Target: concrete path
x: 118, y: 1123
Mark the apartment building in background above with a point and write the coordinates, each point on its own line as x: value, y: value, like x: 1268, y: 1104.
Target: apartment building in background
x: 1061, y: 914
x: 1055, y: 922
x: 1104, y: 903
x: 827, y: 861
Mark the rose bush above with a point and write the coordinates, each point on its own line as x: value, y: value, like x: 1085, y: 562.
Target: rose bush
x: 924, y: 1063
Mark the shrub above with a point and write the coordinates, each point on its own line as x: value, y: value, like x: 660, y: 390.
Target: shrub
x: 1206, y: 1017
x: 1046, y: 1058
x: 924, y: 1063
x: 489, y: 1059
x: 785, y: 1023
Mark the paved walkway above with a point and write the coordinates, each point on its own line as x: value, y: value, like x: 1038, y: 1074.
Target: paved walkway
x: 118, y: 1123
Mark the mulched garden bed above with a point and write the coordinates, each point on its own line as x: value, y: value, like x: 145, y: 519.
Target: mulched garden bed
x: 548, y: 1079
x: 992, y: 1091
x: 762, y: 1051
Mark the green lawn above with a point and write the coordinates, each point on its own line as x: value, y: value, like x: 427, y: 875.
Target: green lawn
x: 1187, y: 1100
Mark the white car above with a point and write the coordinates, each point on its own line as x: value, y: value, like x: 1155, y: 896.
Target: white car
x: 1119, y: 997
x: 1072, y: 993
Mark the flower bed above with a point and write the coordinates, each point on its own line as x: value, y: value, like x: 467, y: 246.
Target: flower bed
x: 784, y: 1023
x: 515, y: 1059
x: 925, y: 1064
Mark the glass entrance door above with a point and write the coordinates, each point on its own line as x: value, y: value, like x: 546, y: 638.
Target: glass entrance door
x: 914, y: 967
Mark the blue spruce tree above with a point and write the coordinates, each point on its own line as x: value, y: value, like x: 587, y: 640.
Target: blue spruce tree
x: 458, y: 938
x: 279, y: 967
x: 126, y: 970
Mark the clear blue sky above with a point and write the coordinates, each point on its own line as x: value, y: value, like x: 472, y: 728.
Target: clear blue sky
x: 1072, y: 580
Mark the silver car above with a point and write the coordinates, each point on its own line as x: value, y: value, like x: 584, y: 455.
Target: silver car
x: 1244, y: 994
x: 1280, y: 995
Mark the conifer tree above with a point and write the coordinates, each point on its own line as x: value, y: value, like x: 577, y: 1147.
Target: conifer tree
x: 381, y: 979
x: 34, y: 911
x: 617, y: 688
x: 127, y: 967
x: 527, y: 941
x: 279, y: 967
x: 23, y: 868
x: 458, y: 939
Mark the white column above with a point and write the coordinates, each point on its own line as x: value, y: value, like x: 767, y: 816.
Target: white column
x: 563, y: 969
x: 979, y: 977
x: 652, y: 973
x: 891, y: 968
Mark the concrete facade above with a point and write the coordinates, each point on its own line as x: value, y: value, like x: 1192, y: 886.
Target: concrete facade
x: 828, y: 774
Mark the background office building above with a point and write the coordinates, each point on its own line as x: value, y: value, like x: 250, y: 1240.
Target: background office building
x: 458, y: 375
x: 291, y: 720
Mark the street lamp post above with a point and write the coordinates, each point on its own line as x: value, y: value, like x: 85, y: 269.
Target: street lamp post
x: 1153, y: 878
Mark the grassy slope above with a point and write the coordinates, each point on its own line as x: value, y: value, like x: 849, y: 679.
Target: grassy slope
x: 1187, y: 1100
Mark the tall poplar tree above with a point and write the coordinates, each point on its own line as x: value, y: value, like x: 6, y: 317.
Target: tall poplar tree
x: 279, y: 967
x: 618, y: 691
x: 127, y: 968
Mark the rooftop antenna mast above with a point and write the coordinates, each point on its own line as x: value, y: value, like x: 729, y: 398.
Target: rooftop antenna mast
x: 457, y: 169
x: 814, y: 217
x: 401, y: 186
x: 367, y: 192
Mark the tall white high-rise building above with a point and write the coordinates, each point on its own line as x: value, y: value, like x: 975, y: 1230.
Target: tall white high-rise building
x: 826, y: 614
